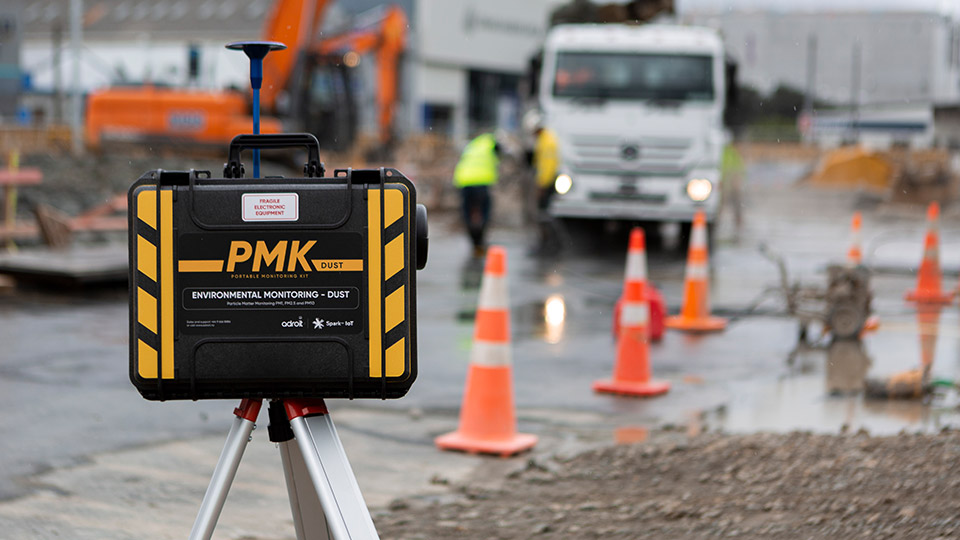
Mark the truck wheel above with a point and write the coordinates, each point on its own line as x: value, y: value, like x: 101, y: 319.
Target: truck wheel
x: 578, y: 235
x: 683, y: 241
x: 652, y: 230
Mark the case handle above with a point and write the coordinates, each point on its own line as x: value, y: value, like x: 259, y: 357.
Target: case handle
x: 313, y: 168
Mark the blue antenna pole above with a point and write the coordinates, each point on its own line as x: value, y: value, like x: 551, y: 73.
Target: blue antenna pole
x: 256, y: 81
x: 256, y: 51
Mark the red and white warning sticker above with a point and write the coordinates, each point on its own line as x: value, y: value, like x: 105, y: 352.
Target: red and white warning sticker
x: 271, y: 207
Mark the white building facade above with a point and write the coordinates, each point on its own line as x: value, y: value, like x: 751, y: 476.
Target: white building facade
x: 469, y: 58
x: 886, y: 71
x: 460, y: 72
x: 903, y: 56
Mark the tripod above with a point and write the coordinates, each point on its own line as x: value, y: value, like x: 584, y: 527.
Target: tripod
x: 324, y: 496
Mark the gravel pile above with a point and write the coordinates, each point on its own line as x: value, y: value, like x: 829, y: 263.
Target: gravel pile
x: 752, y: 486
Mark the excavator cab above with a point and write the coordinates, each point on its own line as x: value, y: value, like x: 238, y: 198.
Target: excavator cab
x: 327, y: 101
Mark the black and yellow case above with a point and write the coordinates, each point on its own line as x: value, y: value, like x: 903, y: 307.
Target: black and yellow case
x: 274, y: 287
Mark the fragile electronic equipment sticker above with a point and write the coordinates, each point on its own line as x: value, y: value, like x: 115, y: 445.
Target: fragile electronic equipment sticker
x: 273, y: 284
x: 271, y: 207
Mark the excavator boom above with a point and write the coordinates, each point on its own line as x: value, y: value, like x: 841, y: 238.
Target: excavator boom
x: 387, y: 38
x: 213, y: 117
x: 294, y: 23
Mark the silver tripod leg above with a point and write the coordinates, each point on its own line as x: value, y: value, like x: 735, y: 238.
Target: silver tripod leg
x: 334, y: 484
x: 308, y: 518
x: 226, y: 469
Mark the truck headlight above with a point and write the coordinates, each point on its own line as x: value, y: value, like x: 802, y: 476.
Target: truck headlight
x: 699, y: 189
x: 563, y: 184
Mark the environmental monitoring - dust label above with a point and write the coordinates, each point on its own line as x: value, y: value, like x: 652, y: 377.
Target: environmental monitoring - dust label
x: 278, y: 284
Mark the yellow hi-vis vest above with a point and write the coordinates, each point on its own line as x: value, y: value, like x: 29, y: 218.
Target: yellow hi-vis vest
x: 478, y: 163
x: 731, y: 162
x: 546, y: 159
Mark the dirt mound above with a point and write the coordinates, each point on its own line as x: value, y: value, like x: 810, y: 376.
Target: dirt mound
x: 753, y: 486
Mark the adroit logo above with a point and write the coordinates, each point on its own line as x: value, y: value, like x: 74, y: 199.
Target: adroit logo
x: 293, y: 324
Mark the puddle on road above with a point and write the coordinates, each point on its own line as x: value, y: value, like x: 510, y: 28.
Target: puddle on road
x: 545, y: 320
x: 823, y: 389
x: 471, y: 277
x: 554, y: 318
x: 847, y: 364
x: 694, y: 425
x: 471, y: 274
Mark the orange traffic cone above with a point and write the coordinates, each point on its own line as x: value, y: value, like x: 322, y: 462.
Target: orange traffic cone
x: 928, y: 278
x: 695, y: 314
x: 872, y: 324
x: 487, y: 421
x: 631, y: 372
x: 928, y: 323
x: 855, y: 258
x: 854, y: 254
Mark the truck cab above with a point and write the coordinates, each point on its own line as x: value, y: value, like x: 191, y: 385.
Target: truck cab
x: 638, y: 114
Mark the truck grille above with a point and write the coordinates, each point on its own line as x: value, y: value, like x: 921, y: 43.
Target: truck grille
x: 661, y: 155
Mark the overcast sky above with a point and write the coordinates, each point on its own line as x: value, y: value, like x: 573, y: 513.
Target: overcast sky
x: 944, y: 6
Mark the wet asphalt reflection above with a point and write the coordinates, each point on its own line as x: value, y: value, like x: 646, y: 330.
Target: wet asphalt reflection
x: 64, y: 358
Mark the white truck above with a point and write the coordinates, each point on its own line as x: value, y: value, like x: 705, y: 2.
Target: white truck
x: 638, y: 114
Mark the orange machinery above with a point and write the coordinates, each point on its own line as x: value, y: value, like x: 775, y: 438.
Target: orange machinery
x: 139, y: 113
x: 388, y: 37
x: 159, y: 113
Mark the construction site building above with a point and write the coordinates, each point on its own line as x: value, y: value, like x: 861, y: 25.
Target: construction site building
x: 889, y: 71
x: 461, y: 70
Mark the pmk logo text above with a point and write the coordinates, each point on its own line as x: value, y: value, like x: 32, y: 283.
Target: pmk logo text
x: 293, y: 253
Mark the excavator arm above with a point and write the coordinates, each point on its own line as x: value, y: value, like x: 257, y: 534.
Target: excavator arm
x: 387, y: 39
x: 213, y: 117
x: 294, y: 23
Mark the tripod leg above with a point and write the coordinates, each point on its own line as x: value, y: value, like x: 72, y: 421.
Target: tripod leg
x: 346, y: 512
x: 308, y: 518
x: 226, y: 469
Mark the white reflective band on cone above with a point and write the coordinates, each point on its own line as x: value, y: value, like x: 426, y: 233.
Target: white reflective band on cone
x: 699, y: 237
x: 493, y: 292
x: 697, y: 271
x: 489, y: 354
x: 931, y: 254
x: 636, y: 265
x: 635, y: 314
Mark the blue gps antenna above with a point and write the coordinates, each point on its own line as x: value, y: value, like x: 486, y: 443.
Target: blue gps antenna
x: 255, y: 51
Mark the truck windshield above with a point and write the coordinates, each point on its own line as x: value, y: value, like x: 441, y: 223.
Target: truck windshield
x: 634, y: 76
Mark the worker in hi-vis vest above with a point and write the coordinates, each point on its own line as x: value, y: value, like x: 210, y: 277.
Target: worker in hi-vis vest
x: 475, y: 173
x: 546, y: 161
x: 731, y: 182
x: 546, y: 164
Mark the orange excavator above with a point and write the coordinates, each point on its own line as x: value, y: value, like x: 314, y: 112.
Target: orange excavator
x: 294, y: 96
x: 387, y: 37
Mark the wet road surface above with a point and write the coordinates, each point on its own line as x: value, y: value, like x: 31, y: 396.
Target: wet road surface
x: 63, y: 364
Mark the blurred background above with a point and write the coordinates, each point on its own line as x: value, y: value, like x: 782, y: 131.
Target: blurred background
x: 817, y: 141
